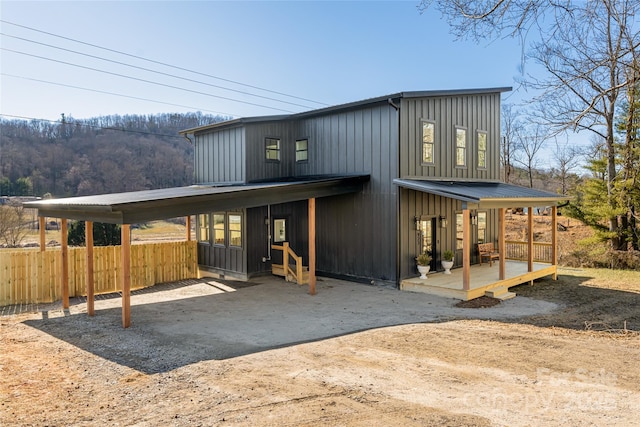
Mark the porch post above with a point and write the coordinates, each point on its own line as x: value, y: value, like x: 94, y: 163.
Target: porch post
x: 554, y: 239
x: 188, y: 223
x: 88, y: 231
x: 501, y: 243
x: 42, y: 224
x: 466, y: 250
x: 125, y: 236
x: 312, y: 246
x: 65, y: 263
x: 530, y: 240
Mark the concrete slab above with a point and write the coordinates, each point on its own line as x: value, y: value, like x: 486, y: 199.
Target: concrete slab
x: 182, y: 323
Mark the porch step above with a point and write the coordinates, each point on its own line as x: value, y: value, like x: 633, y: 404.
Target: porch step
x: 502, y: 293
x: 278, y: 270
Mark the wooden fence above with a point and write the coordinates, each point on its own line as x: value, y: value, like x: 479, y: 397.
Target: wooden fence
x: 31, y: 276
x: 518, y: 251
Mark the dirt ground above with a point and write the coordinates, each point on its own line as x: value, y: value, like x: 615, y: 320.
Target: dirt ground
x: 573, y: 362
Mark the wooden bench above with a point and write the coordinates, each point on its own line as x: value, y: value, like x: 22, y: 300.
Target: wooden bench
x: 486, y: 250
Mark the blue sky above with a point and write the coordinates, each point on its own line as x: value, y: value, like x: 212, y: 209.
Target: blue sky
x: 326, y: 51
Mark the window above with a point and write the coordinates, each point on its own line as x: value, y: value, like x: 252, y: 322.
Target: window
x: 459, y: 233
x: 203, y: 228
x: 461, y: 147
x: 272, y: 146
x: 235, y: 230
x: 218, y: 229
x: 279, y: 230
x: 302, y: 150
x: 482, y: 149
x: 482, y: 227
x: 428, y: 141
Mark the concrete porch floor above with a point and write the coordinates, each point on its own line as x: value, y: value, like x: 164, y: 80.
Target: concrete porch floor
x: 483, y: 278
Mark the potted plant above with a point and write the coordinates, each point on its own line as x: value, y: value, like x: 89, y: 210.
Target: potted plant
x: 424, y: 263
x: 447, y: 261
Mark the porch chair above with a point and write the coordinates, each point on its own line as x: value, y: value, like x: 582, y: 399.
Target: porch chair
x: 486, y: 250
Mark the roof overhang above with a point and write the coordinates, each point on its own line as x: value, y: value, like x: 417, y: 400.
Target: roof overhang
x: 141, y: 206
x: 484, y: 194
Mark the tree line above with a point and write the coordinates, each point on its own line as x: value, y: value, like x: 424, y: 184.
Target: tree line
x: 107, y: 154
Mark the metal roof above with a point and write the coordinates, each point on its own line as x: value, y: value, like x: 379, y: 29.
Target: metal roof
x: 484, y: 194
x: 348, y: 106
x: 140, y: 206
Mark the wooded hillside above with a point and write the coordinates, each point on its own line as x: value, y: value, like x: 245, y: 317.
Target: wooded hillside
x: 98, y: 155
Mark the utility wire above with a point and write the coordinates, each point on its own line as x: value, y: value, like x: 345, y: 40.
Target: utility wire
x: 143, y: 80
x: 92, y: 126
x: 154, y: 71
x: 116, y: 94
x: 164, y: 63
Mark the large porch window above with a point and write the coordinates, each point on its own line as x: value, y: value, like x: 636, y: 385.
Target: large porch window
x: 218, y: 229
x: 226, y: 226
x: 203, y: 228
x: 235, y: 230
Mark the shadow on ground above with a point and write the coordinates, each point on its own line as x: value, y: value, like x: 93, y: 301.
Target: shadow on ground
x: 177, y: 324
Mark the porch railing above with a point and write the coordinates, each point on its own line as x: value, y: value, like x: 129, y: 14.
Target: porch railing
x: 515, y: 250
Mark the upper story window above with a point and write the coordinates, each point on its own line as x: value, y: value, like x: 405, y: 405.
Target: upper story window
x: 218, y: 229
x: 302, y: 150
x: 428, y: 141
x: 461, y: 147
x: 272, y: 148
x: 482, y: 149
x: 203, y: 228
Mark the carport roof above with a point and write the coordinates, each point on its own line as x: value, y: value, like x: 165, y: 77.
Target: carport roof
x: 140, y: 206
x: 484, y: 194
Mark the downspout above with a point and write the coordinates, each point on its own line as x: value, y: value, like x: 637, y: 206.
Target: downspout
x: 398, y: 201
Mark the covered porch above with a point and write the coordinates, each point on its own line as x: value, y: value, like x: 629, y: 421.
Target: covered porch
x: 472, y: 281
x: 483, y: 279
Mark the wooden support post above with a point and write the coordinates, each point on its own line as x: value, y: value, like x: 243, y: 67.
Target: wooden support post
x: 554, y: 239
x: 285, y: 260
x: 42, y: 225
x: 125, y: 233
x: 312, y: 246
x: 65, y: 263
x: 501, y: 244
x: 530, y: 240
x: 466, y: 250
x: 88, y: 236
x: 188, y: 223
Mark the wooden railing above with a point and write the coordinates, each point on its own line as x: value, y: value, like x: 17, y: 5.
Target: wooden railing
x: 542, y: 252
x: 30, y: 276
x: 296, y: 274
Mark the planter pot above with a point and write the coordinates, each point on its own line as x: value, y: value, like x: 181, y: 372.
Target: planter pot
x: 423, y: 269
x: 447, y: 266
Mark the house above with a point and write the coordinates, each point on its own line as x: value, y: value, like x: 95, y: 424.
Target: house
x: 353, y: 191
x: 426, y: 156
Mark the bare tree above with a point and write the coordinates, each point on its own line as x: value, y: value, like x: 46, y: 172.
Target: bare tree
x: 529, y: 144
x: 567, y: 159
x: 584, y: 47
x: 511, y: 127
x: 13, y: 224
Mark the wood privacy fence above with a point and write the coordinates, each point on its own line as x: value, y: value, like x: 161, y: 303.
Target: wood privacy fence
x: 31, y: 276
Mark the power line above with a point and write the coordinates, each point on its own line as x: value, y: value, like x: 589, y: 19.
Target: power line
x: 143, y: 80
x: 92, y: 126
x: 153, y: 71
x: 115, y: 94
x: 163, y: 63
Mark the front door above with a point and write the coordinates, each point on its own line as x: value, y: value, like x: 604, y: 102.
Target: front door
x: 427, y: 238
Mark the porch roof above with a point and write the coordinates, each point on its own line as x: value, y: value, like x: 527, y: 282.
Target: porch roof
x: 484, y: 194
x: 140, y: 206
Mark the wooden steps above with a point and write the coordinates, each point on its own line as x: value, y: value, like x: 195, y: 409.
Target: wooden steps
x: 502, y: 293
x: 278, y: 270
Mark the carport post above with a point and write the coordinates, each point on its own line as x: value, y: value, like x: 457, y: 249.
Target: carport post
x: 88, y: 237
x: 554, y: 239
x: 125, y: 237
x: 530, y: 241
x: 42, y: 224
x: 501, y: 244
x: 188, y: 224
x: 312, y: 246
x: 65, y: 263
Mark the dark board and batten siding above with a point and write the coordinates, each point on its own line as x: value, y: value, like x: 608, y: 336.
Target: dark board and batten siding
x: 472, y: 112
x: 219, y: 156
x: 356, y: 235
x: 258, y: 168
